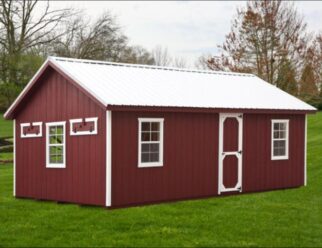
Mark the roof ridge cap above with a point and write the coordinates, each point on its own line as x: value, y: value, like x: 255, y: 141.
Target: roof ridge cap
x: 164, y: 68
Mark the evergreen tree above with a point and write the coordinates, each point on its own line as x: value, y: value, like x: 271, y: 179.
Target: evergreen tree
x: 286, y: 77
x: 308, y: 82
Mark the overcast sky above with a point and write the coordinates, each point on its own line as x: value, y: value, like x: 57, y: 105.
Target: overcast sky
x: 188, y: 29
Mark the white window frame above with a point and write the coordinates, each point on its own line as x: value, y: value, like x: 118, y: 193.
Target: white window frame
x: 31, y: 135
x: 48, y: 125
x: 286, y: 156
x: 151, y: 164
x: 73, y: 121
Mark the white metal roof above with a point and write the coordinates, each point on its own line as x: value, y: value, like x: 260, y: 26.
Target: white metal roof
x: 140, y: 85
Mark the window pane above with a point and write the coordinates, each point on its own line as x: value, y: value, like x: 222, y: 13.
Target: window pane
x: 145, y: 147
x: 154, y: 147
x: 282, y: 134
x: 145, y: 136
x: 146, y: 126
x: 145, y: 157
x: 276, y: 126
x: 155, y: 136
x: 279, y: 147
x: 52, y: 159
x: 155, y: 126
x: 154, y: 157
x: 276, y: 134
x: 282, y: 126
x: 56, y: 140
x: 59, y: 130
x: 59, y: 159
x: 53, y: 150
x: 52, y: 130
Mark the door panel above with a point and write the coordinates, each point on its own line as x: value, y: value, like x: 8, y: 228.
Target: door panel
x: 231, y: 134
x: 230, y: 153
x: 230, y: 171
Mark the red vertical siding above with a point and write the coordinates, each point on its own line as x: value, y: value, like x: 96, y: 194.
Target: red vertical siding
x: 191, y: 157
x: 259, y: 171
x: 83, y: 179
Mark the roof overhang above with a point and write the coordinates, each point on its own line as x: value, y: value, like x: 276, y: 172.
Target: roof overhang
x: 206, y: 110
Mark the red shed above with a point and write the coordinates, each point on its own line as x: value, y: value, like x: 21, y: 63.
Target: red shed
x: 109, y: 134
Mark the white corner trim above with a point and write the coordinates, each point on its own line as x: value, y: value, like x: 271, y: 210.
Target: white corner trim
x: 73, y: 121
x: 14, y: 157
x: 305, y: 152
x: 33, y: 135
x: 108, y: 196
x: 286, y: 156
x: 48, y: 164
x: 151, y: 164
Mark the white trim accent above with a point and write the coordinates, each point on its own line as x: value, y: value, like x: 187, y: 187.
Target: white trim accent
x: 33, y: 135
x: 108, y: 158
x: 14, y: 157
x: 222, y: 154
x: 73, y: 121
x: 286, y: 156
x: 151, y: 164
x: 26, y: 88
x: 305, y: 152
x: 48, y: 164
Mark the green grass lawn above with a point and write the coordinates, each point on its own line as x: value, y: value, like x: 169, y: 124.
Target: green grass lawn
x: 279, y: 218
x: 5, y: 127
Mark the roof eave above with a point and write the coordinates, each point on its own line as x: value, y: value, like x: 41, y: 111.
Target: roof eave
x: 207, y: 110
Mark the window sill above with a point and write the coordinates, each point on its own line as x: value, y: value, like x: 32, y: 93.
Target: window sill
x: 56, y: 166
x: 148, y: 165
x: 280, y: 158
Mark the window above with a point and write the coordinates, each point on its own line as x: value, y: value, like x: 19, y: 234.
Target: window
x: 55, y: 145
x: 150, y: 142
x: 280, y: 139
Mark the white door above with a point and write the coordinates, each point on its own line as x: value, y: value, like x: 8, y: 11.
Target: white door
x: 230, y: 152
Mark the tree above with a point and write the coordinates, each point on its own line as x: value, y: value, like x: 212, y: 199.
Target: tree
x: 21, y: 31
x: 100, y: 40
x: 262, y: 34
x: 161, y: 56
x: 308, y: 82
x: 136, y: 55
x: 286, y: 77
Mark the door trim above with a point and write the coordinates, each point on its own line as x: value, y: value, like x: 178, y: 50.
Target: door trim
x: 222, y: 155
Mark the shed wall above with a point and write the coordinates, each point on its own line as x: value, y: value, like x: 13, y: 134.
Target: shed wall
x: 191, y: 157
x: 83, y: 179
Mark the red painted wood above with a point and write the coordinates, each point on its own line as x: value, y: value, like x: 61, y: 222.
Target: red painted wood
x: 230, y: 171
x: 191, y: 158
x: 83, y: 179
x: 259, y: 171
x: 230, y: 141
